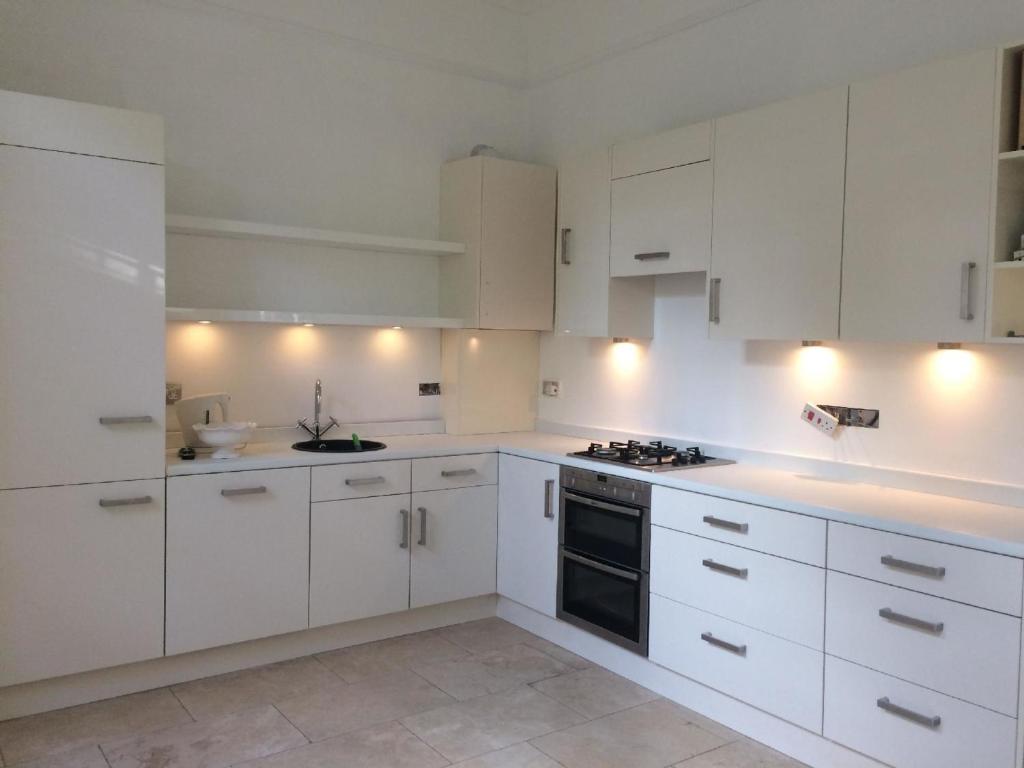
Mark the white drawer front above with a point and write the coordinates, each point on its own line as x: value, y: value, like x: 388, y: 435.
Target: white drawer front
x: 355, y: 481
x: 966, y: 735
x: 797, y: 537
x: 447, y: 472
x: 769, y: 593
x: 967, y: 575
x: 689, y: 144
x: 772, y: 674
x: 973, y: 656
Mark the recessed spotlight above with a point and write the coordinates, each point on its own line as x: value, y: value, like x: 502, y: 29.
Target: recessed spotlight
x: 620, y: 340
x: 309, y: 325
x: 205, y: 322
x: 949, y: 345
x: 396, y: 327
x: 810, y: 343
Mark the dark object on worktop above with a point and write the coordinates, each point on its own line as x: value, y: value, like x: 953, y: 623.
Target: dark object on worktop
x: 187, y: 453
x: 338, y: 446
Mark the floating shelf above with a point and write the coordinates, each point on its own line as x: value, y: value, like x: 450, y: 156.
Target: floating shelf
x: 302, y: 318
x: 197, y: 225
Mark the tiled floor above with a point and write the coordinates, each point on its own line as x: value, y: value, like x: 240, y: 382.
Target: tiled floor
x: 480, y: 695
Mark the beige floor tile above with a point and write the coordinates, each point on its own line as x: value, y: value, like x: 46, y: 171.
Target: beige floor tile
x: 249, y: 688
x: 83, y: 757
x: 743, y: 754
x: 723, y: 732
x: 345, y: 708
x: 486, y: 635
x: 490, y: 723
x: 595, y: 692
x: 63, y: 730
x: 380, y: 746
x: 388, y: 657
x: 517, y: 756
x: 563, y: 655
x: 213, y: 743
x: 490, y: 672
x: 649, y: 736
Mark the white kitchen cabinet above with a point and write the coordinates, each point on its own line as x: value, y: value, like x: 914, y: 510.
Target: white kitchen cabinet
x: 81, y: 317
x: 359, y: 559
x: 454, y: 544
x: 354, y: 481
x: 589, y: 301
x: 528, y: 532
x: 918, y: 189
x: 460, y: 471
x: 680, y: 146
x: 504, y: 211
x: 237, y: 557
x: 81, y: 578
x: 777, y: 246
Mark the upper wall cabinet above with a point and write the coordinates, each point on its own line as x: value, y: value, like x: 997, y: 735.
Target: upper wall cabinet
x: 778, y: 220
x: 918, y: 188
x: 661, y: 203
x: 589, y: 302
x: 504, y: 212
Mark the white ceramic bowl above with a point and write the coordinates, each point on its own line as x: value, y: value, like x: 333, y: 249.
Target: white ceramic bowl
x: 226, y: 437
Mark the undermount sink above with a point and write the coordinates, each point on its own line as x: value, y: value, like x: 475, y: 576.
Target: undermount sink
x: 338, y: 446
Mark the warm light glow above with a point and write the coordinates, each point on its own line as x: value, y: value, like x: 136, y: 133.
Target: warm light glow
x: 390, y: 343
x: 298, y: 342
x: 474, y: 343
x: 624, y: 357
x: 309, y: 325
x: 954, y: 369
x: 205, y: 322
x: 199, y: 338
x: 396, y: 327
x: 817, y: 365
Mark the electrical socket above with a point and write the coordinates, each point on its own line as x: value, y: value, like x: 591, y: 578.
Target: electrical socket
x: 821, y: 420
x: 551, y: 388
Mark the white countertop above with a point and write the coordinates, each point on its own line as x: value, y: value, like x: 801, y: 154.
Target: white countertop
x: 992, y: 527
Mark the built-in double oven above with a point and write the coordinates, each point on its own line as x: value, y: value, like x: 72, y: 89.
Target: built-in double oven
x: 604, y: 555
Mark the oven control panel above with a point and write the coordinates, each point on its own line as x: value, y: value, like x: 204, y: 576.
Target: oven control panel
x: 607, y: 486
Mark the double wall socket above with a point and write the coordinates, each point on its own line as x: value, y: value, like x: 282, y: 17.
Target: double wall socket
x: 821, y: 420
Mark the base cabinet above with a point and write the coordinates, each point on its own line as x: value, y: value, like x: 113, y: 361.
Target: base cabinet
x: 81, y: 578
x: 237, y: 557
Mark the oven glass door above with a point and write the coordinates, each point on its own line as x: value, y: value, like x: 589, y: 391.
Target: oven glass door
x: 604, y: 530
x: 606, y: 598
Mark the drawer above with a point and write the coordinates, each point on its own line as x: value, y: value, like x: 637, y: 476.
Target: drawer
x: 797, y: 537
x: 355, y: 481
x: 958, y: 573
x: 974, y: 656
x: 682, y: 146
x: 772, y: 674
x: 778, y: 596
x: 965, y: 735
x: 447, y: 472
x: 661, y: 222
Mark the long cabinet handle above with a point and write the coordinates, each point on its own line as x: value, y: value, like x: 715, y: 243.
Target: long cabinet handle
x: 653, y: 256
x: 423, y: 526
x: 739, y: 650
x: 740, y: 573
x: 966, y: 289
x: 928, y: 721
x: 549, y: 498
x: 457, y: 472
x: 729, y: 525
x: 353, y: 482
x: 565, y: 245
x: 935, y: 627
x: 715, y: 300
x: 127, y: 502
x: 608, y: 507
x: 933, y: 571
x: 243, y: 491
x: 109, y: 421
x: 404, y: 514
x: 610, y: 570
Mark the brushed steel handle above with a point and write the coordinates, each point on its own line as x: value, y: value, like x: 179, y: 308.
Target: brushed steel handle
x: 565, y: 246
x: 404, y: 514
x: 601, y: 566
x: 740, y: 573
x: 729, y: 525
x: 357, y: 481
x: 966, y: 285
x: 109, y: 421
x: 935, y: 627
x: 549, y: 497
x: 423, y: 526
x: 243, y: 491
x: 652, y: 256
x: 715, y: 301
x: 933, y: 571
x: 739, y: 650
x: 608, y: 507
x: 126, y: 502
x: 928, y: 721
x: 457, y: 472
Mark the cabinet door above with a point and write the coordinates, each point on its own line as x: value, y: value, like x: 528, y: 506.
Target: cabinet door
x: 454, y: 544
x: 661, y: 221
x: 528, y: 522
x: 237, y: 557
x: 359, y: 559
x: 81, y: 578
x: 918, y: 183
x: 81, y: 318
x: 777, y: 248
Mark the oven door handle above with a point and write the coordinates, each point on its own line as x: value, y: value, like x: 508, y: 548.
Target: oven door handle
x: 601, y: 566
x: 602, y: 504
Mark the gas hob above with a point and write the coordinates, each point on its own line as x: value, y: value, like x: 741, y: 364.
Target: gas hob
x: 650, y: 457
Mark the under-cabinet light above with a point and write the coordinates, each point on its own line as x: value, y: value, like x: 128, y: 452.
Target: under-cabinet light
x: 309, y: 325
x: 950, y: 345
x: 620, y: 340
x: 396, y: 327
x: 811, y: 343
x: 204, y: 322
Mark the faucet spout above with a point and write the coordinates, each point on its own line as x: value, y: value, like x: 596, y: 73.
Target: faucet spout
x: 315, y: 430
x: 317, y: 398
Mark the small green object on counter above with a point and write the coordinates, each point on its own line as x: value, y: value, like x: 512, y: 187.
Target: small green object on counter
x: 356, y: 443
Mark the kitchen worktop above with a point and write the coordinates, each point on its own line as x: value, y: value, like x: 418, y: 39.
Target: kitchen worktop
x: 992, y: 527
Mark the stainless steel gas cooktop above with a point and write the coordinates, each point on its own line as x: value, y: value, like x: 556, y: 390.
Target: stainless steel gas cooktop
x: 650, y: 457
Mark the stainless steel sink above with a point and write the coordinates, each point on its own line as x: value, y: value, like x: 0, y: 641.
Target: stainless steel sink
x: 338, y: 446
